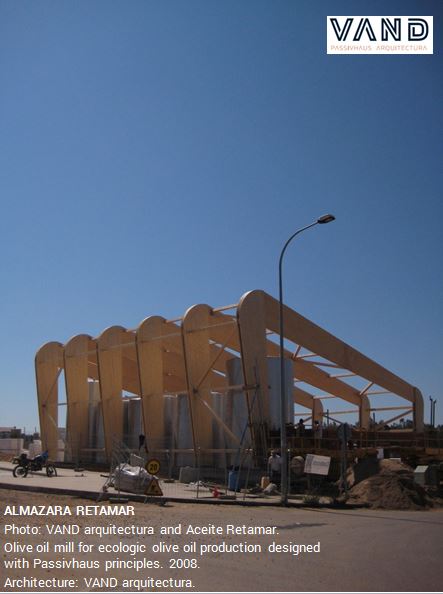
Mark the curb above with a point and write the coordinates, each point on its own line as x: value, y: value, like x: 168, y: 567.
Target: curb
x: 162, y: 500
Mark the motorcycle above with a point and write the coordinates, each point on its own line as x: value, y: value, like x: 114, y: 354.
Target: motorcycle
x: 40, y: 462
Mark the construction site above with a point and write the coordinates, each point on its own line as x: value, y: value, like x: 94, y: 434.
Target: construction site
x: 203, y: 393
x: 184, y: 411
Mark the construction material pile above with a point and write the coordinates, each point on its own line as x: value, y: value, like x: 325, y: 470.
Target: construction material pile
x: 390, y: 486
x: 132, y: 479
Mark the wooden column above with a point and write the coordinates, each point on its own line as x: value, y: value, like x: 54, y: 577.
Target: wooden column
x: 76, y: 354
x: 308, y: 401
x: 110, y: 368
x: 48, y: 365
x: 317, y: 410
x: 252, y: 328
x: 365, y: 412
x: 195, y: 328
x: 418, y: 412
x: 150, y: 350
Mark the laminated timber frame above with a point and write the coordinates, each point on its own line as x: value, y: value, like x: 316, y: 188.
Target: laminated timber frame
x: 189, y: 355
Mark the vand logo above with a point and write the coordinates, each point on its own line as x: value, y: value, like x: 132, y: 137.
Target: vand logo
x: 379, y: 35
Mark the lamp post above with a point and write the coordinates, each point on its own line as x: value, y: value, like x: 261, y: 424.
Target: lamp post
x: 283, y: 405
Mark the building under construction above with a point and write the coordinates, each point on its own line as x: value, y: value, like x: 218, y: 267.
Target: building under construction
x: 204, y: 385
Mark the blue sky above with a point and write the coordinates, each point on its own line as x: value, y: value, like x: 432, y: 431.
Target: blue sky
x: 154, y: 155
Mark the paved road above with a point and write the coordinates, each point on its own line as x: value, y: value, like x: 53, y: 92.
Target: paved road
x: 360, y: 551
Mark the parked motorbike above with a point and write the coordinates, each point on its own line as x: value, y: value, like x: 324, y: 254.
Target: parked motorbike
x: 40, y: 462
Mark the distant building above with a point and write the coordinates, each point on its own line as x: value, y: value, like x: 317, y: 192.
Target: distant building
x: 6, y: 432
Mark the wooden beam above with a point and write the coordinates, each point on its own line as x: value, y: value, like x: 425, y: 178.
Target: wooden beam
x: 154, y: 364
x: 110, y: 367
x: 302, y: 331
x: 48, y: 365
x: 310, y: 374
x: 344, y: 412
x: 391, y: 408
x: 197, y: 362
x: 224, y: 331
x: 366, y: 388
x: 307, y: 334
x: 378, y: 392
x: 77, y: 393
x: 130, y: 376
x: 320, y: 379
x: 252, y: 328
x: 418, y: 413
x: 401, y: 415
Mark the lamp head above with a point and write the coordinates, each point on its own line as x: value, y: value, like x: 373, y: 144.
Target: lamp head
x: 327, y: 218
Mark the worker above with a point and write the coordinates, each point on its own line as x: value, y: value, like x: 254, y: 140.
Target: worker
x: 274, y: 467
x: 300, y: 432
x: 317, y: 430
x: 142, y: 447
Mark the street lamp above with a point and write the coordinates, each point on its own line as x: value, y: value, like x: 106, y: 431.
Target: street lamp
x: 328, y: 218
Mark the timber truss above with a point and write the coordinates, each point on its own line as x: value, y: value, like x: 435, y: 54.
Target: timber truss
x: 189, y: 355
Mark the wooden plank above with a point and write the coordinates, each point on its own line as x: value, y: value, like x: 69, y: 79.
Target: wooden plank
x: 252, y: 328
x: 418, y: 413
x: 197, y: 362
x: 364, y: 416
x: 224, y: 330
x: 220, y: 357
x: 320, y: 379
x: 174, y: 363
x: 129, y: 350
x: 110, y: 370
x: 130, y: 377
x: 48, y: 364
x: 77, y: 394
x: 154, y: 381
x: 93, y: 359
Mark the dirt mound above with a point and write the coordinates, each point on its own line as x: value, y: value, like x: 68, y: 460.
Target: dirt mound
x: 390, y: 489
x: 370, y: 466
x: 362, y: 470
x: 394, y: 465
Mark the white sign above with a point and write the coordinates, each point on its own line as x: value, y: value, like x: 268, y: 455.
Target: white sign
x: 420, y: 474
x: 317, y: 464
x: 380, y: 34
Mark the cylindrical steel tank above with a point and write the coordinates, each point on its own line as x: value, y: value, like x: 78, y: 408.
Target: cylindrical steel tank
x: 218, y: 433
x: 274, y: 391
x: 235, y: 406
x: 134, y: 422
x: 96, y: 435
x: 184, y: 432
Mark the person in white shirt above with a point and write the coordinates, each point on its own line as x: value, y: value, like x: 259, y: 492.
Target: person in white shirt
x: 274, y: 467
x: 318, y: 433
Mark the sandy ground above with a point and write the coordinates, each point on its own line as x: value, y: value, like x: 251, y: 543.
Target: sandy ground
x: 359, y: 550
